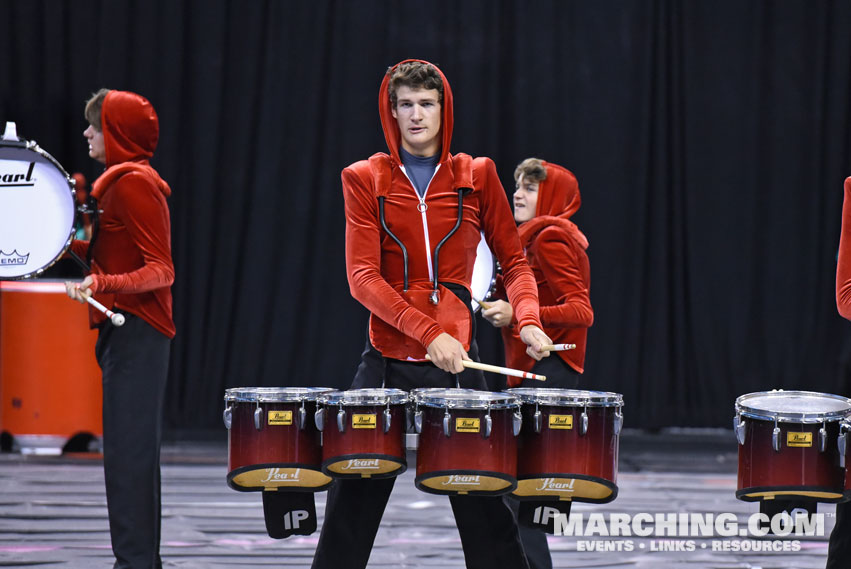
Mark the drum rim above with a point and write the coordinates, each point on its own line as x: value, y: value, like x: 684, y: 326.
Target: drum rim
x: 366, y: 396
x: 553, y: 396
x: 267, y: 394
x: 463, y: 398
x: 32, y: 146
x: 792, y: 416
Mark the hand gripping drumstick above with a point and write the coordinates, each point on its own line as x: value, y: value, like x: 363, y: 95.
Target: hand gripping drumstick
x: 558, y: 347
x: 483, y: 304
x: 499, y: 369
x: 117, y: 319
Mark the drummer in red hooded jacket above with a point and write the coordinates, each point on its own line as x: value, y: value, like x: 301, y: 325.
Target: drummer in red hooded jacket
x: 839, y: 547
x: 132, y: 273
x: 414, y: 219
x: 547, y: 195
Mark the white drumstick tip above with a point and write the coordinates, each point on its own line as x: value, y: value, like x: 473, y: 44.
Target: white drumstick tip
x: 117, y: 319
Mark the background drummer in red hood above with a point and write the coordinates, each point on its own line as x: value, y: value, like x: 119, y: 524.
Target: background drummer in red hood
x: 131, y: 273
x: 547, y: 195
x: 414, y: 219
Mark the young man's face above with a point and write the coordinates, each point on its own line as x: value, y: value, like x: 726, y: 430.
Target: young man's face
x: 418, y: 113
x: 97, y: 150
x: 525, y: 199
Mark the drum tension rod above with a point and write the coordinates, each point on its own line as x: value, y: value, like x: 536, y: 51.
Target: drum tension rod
x: 258, y: 416
x: 302, y: 416
x: 775, y: 436
x: 387, y: 415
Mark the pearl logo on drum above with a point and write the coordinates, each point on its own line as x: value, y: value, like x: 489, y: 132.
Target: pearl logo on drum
x: 552, y: 485
x: 466, y: 425
x: 799, y: 439
x: 561, y: 421
x: 363, y: 421
x: 462, y: 480
x: 276, y: 475
x: 10, y: 180
x: 361, y: 464
x: 13, y: 258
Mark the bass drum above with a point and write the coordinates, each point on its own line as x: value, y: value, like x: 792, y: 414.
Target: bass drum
x: 37, y: 209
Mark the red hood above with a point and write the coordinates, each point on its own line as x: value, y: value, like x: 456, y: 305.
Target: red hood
x: 130, y: 128
x: 391, y: 128
x: 558, y: 199
x: 130, y: 134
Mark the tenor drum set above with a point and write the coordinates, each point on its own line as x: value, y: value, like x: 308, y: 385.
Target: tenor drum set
x: 547, y: 444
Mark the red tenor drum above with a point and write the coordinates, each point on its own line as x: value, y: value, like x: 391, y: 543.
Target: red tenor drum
x: 467, y: 441
x: 273, y: 442
x: 363, y: 433
x: 788, y: 445
x: 568, y: 448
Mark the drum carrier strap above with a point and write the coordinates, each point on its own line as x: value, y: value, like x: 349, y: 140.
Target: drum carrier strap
x: 462, y: 169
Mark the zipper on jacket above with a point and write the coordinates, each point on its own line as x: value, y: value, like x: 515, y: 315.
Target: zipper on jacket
x: 422, y: 207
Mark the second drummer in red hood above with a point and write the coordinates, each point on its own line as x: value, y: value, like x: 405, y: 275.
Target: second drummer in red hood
x: 414, y: 219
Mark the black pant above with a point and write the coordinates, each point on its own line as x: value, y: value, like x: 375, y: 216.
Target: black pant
x: 488, y: 528
x: 134, y: 362
x: 839, y: 548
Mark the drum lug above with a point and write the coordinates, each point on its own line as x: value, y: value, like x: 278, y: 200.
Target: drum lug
x: 840, y: 442
x: 341, y: 420
x: 488, y: 426
x: 447, y: 421
x: 822, y: 439
x: 319, y: 419
x: 775, y: 439
x: 537, y: 420
x: 418, y: 421
x: 302, y: 418
x: 387, y: 417
x: 618, y: 422
x: 517, y: 422
x: 583, y: 423
x: 258, y: 418
x: 226, y: 417
x: 739, y: 429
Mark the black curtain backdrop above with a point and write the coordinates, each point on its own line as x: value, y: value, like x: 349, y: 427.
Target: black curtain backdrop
x: 710, y: 140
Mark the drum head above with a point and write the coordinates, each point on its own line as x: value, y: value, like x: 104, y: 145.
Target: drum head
x: 463, y: 399
x: 36, y: 210
x: 484, y: 274
x: 279, y: 394
x: 567, y: 397
x: 793, y: 406
x: 365, y: 397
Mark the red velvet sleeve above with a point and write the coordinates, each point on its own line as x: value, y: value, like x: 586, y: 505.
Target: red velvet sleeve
x: 80, y: 247
x: 142, y: 208
x: 363, y: 263
x: 565, y: 272
x: 501, y: 236
x: 843, y: 263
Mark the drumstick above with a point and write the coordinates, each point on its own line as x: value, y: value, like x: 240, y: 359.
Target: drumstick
x: 483, y: 304
x: 117, y: 319
x: 558, y: 347
x: 499, y: 369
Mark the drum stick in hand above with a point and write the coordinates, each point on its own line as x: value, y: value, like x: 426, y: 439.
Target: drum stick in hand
x: 499, y: 369
x: 117, y: 319
x: 483, y: 304
x: 558, y: 347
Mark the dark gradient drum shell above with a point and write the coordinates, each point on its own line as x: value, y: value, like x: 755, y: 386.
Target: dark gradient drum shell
x: 363, y: 449
x: 563, y: 464
x: 467, y: 462
x: 794, y: 471
x: 279, y: 456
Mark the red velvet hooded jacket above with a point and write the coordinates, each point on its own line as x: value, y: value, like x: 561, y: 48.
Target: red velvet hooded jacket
x: 374, y: 261
x: 131, y: 261
x: 843, y: 263
x: 555, y: 249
